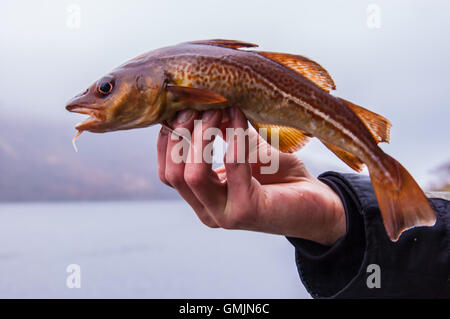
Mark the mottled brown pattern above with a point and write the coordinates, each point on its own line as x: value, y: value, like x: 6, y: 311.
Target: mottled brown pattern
x: 270, y: 93
x: 266, y: 91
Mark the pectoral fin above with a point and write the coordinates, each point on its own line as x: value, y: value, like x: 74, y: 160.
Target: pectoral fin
x: 290, y: 139
x: 349, y: 159
x: 193, y: 95
x: 306, y: 67
x: 378, y: 125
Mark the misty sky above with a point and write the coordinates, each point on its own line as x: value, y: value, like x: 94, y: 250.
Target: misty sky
x: 400, y: 70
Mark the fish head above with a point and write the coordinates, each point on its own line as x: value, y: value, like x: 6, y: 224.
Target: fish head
x: 130, y: 96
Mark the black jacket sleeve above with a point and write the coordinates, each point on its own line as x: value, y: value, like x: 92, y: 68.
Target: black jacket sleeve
x: 416, y: 266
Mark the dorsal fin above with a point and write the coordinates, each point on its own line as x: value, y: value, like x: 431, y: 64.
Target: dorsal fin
x: 378, y: 125
x: 306, y: 67
x: 348, y: 158
x: 290, y: 139
x: 232, y: 44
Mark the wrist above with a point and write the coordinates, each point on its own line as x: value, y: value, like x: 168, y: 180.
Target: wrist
x: 335, y: 226
x: 315, y: 212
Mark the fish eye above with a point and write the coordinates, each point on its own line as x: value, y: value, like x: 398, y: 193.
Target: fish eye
x: 105, y: 87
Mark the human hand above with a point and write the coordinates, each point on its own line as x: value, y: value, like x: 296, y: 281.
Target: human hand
x: 290, y: 202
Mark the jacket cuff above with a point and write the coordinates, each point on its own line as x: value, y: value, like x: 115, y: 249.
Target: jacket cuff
x: 325, y: 270
x: 416, y: 266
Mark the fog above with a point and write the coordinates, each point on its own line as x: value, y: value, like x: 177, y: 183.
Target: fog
x: 399, y: 70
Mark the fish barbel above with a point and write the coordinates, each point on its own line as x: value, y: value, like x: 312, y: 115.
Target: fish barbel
x: 286, y: 92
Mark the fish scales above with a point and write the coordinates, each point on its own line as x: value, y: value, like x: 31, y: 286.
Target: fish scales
x: 271, y: 92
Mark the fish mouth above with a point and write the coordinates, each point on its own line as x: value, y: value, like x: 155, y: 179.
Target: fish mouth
x: 94, y: 116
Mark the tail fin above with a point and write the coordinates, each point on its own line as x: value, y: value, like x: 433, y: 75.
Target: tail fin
x: 403, y: 204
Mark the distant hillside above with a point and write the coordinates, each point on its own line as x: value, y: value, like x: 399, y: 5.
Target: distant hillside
x: 442, y: 182
x: 38, y: 163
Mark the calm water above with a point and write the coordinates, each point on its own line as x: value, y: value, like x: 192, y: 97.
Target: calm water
x: 137, y: 250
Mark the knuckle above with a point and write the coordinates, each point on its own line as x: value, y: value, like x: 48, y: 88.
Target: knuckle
x: 206, y: 219
x: 165, y: 182
x: 193, y: 179
x: 210, y: 224
x: 230, y: 223
x: 241, y: 218
x: 175, y: 179
x: 226, y: 224
x: 162, y: 178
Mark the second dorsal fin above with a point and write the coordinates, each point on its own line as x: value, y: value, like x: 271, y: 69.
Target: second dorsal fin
x: 289, y: 140
x: 306, y: 67
x: 233, y: 44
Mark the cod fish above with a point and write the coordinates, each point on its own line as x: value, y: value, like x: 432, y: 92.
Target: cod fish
x: 286, y: 92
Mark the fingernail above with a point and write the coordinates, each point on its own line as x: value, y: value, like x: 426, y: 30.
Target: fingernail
x: 184, y: 116
x: 207, y: 115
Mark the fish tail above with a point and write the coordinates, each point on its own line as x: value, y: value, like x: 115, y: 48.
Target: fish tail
x: 402, y: 202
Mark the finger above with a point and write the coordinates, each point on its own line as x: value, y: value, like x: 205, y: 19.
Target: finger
x: 176, y: 154
x: 225, y: 122
x: 199, y: 176
x: 161, y: 148
x: 177, y: 148
x: 238, y: 170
